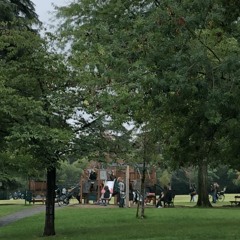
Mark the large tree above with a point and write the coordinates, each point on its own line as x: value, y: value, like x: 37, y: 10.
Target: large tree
x: 38, y: 99
x: 18, y: 15
x: 172, y: 64
x: 38, y: 105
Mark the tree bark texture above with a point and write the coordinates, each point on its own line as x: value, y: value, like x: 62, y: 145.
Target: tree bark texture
x: 49, y: 229
x: 143, y: 182
x: 203, y: 197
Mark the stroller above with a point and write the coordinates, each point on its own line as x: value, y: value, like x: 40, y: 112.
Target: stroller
x: 64, y: 199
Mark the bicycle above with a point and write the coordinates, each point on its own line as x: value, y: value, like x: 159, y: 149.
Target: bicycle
x: 220, y: 195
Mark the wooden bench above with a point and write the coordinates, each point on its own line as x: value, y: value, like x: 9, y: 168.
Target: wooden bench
x: 236, y: 202
x: 41, y: 199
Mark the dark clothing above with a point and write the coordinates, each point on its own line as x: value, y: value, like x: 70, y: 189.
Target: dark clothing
x: 192, y: 193
x: 116, y: 188
x: 130, y: 196
x: 93, y: 176
x: 112, y: 177
x: 166, y: 197
x: 106, y: 194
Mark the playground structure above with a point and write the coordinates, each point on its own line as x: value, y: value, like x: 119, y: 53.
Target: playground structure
x: 36, y: 191
x: 95, y: 177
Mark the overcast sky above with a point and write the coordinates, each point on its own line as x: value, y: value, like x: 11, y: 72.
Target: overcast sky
x: 44, y: 7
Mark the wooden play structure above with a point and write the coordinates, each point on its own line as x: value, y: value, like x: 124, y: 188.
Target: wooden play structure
x: 96, y: 176
x: 37, y: 191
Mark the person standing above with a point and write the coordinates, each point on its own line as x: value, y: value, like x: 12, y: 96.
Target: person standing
x: 192, y: 192
x: 130, y: 202
x: 122, y: 192
x: 215, y: 188
x: 85, y: 190
x: 116, y: 190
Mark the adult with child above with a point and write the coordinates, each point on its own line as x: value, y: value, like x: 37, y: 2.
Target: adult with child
x: 165, y: 197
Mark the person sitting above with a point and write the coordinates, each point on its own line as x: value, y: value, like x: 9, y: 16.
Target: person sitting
x: 165, y: 198
x: 106, y: 195
x: 169, y: 198
x: 160, y: 200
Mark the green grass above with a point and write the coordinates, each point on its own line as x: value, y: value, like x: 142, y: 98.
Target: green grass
x: 10, y: 206
x: 114, y: 224
x: 105, y: 223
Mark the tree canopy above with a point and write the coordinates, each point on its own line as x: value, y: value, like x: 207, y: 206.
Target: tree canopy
x: 20, y: 12
x: 172, y: 65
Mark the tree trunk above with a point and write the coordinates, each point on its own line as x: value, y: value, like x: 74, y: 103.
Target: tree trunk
x: 203, y: 197
x: 143, y: 189
x: 143, y: 180
x: 49, y: 229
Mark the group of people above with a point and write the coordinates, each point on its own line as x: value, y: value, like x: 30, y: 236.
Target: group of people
x: 214, y: 189
x: 166, y: 194
x: 119, y: 191
x: 166, y: 197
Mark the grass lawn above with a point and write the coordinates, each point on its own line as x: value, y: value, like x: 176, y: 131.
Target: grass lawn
x: 10, y: 206
x: 105, y: 223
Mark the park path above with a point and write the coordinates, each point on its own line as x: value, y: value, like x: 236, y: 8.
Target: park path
x: 5, y: 220
x: 21, y: 214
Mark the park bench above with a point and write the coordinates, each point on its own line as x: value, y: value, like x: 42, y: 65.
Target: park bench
x: 236, y: 202
x: 29, y: 197
x: 39, y: 198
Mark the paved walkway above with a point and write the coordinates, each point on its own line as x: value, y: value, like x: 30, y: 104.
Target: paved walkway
x: 22, y: 214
